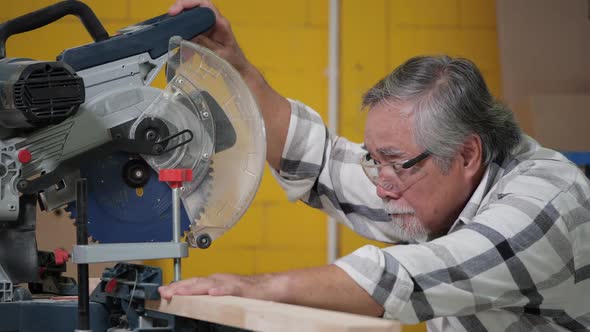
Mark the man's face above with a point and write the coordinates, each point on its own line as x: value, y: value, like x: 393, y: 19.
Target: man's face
x: 432, y: 200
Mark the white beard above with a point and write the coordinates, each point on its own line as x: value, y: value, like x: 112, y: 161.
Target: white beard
x: 407, y: 228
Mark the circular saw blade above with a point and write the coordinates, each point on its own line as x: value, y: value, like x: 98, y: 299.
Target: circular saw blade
x: 118, y: 213
x: 206, y: 85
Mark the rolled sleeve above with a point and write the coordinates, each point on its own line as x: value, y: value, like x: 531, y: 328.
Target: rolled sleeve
x: 381, y: 276
x: 304, y: 151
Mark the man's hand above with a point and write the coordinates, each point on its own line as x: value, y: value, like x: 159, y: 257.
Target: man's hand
x: 255, y: 287
x: 326, y: 287
x: 220, y: 39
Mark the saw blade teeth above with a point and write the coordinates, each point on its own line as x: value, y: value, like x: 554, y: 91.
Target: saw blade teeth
x: 205, y: 188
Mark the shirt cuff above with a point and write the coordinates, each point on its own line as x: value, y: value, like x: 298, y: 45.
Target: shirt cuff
x: 303, y: 153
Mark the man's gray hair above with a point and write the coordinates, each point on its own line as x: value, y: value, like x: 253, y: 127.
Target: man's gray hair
x: 451, y: 102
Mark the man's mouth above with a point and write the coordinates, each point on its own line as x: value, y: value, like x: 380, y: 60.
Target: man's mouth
x: 396, y: 210
x: 401, y: 215
x: 400, y: 211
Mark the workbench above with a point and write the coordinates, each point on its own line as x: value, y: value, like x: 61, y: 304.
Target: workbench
x: 257, y: 315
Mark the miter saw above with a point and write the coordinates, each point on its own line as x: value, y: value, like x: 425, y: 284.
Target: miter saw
x: 93, y: 115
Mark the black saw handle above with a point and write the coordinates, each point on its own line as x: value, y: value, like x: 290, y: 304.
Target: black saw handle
x: 48, y: 15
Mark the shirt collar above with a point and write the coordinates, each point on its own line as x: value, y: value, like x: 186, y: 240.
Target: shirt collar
x: 490, y: 177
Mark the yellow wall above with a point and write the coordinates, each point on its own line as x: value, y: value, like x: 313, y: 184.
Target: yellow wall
x: 288, y: 41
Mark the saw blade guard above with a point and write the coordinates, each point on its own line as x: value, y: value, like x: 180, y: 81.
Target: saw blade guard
x: 226, y: 146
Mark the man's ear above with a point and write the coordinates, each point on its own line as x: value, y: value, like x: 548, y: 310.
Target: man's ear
x: 472, y: 153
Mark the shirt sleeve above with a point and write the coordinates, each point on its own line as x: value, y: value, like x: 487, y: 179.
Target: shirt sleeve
x: 323, y: 170
x: 516, y: 254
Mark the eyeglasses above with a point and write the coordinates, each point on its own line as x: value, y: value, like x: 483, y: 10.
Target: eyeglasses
x: 393, y: 175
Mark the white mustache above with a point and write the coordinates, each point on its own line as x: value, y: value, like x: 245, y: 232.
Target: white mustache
x: 394, y: 209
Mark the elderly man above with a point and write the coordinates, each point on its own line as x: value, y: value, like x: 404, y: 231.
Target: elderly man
x: 495, y: 225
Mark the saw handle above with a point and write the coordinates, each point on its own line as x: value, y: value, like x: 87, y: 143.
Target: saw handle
x: 48, y: 15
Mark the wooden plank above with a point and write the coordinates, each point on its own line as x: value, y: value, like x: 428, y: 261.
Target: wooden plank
x: 263, y: 316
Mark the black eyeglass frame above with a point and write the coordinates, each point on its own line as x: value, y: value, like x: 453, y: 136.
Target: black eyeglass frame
x: 408, y: 163
x: 411, y: 162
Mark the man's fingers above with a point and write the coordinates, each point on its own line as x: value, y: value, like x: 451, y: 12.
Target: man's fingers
x: 193, y: 286
x: 175, y: 9
x: 169, y: 290
x: 219, y: 36
x: 166, y: 292
x: 185, y: 4
x: 179, y: 5
x: 206, y: 42
x: 193, y: 290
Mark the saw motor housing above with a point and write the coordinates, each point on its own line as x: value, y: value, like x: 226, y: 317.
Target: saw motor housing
x: 36, y: 94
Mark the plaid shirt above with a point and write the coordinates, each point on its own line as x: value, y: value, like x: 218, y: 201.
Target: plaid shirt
x: 516, y: 259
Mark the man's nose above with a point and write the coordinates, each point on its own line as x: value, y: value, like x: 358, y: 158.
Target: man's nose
x: 384, y: 193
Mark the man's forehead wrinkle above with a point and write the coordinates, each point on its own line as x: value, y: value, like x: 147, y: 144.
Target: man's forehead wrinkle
x: 390, y: 151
